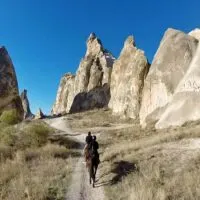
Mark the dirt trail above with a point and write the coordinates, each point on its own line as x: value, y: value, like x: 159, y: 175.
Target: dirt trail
x: 79, y: 189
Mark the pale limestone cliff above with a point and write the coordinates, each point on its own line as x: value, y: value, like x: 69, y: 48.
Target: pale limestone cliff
x: 65, y: 94
x: 185, y: 103
x: 127, y: 80
x: 169, y: 66
x: 9, y: 94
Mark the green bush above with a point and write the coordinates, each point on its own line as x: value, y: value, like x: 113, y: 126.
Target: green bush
x: 34, y: 135
x: 10, y: 117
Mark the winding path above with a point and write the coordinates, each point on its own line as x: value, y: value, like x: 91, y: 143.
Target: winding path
x: 79, y: 189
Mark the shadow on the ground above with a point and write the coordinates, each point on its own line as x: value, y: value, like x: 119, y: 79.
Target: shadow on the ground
x: 103, y: 183
x: 65, y: 155
x: 102, y: 175
x: 66, y: 142
x: 122, y: 169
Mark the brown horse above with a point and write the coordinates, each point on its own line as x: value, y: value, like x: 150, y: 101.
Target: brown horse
x: 92, y: 162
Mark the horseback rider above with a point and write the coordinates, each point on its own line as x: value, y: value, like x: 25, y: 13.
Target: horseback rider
x: 88, y: 141
x: 91, y: 156
x: 95, y: 147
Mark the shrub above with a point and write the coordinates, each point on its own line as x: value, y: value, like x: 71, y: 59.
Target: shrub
x: 8, y: 136
x: 10, y: 117
x: 34, y: 135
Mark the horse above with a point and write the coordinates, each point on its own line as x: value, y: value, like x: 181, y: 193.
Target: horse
x: 92, y: 162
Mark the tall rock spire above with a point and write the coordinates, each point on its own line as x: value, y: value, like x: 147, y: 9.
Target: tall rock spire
x: 25, y: 103
x: 127, y: 80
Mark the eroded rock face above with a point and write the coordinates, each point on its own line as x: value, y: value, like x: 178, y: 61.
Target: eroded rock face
x: 185, y: 103
x: 65, y: 94
x: 9, y: 93
x: 127, y: 80
x: 95, y: 68
x: 93, y: 73
x: 26, y: 107
x: 95, y: 98
x: 169, y: 66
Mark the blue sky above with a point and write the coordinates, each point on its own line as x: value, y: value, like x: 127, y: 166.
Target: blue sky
x: 46, y: 38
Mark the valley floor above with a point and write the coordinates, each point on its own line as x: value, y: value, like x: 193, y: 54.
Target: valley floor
x: 135, y: 164
x: 145, y: 164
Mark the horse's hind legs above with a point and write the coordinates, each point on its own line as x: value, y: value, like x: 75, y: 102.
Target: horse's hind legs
x: 93, y: 178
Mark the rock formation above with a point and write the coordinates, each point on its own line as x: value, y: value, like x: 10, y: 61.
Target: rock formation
x: 169, y: 66
x: 86, y: 90
x: 167, y: 93
x: 95, y: 98
x: 65, y: 94
x: 25, y: 103
x: 39, y: 114
x: 9, y: 94
x: 185, y: 103
x: 127, y: 80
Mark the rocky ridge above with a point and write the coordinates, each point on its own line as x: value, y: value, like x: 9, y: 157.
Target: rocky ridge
x: 161, y: 94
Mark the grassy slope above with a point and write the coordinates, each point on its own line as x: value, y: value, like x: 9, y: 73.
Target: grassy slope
x: 145, y: 164
x: 31, y: 166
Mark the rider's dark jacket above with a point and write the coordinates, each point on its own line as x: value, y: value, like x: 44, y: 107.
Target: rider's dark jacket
x: 88, y: 139
x: 95, y: 145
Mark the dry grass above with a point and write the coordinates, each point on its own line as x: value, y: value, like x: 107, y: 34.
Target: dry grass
x: 36, y: 174
x: 145, y: 164
x: 32, y: 166
x: 94, y: 118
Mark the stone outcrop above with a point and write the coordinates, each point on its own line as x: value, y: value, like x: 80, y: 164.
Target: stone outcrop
x: 65, y: 94
x: 26, y: 107
x: 185, y: 103
x: 95, y: 68
x: 127, y: 80
x: 82, y: 91
x: 9, y: 93
x: 39, y: 114
x: 170, y: 64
